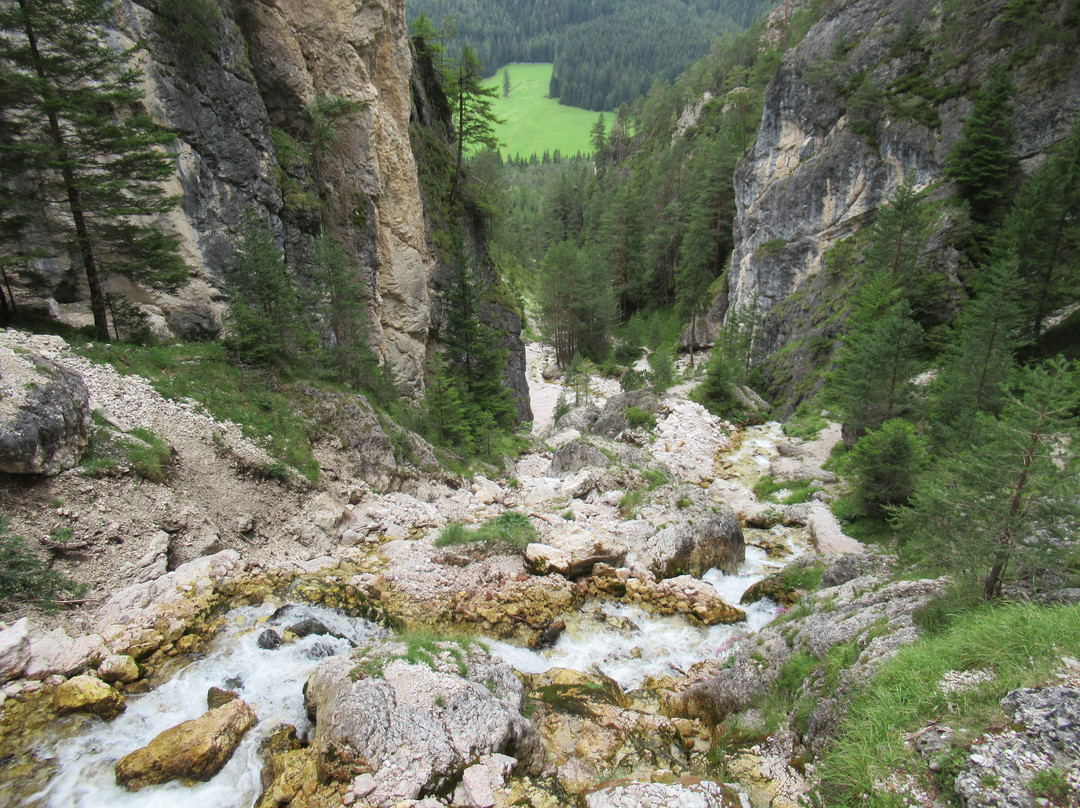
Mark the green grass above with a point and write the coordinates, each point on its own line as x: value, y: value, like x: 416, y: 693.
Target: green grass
x: 1022, y: 644
x: 507, y: 532
x: 535, y: 123
x: 766, y: 486
x: 200, y: 371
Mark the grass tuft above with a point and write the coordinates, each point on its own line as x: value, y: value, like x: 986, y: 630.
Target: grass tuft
x: 507, y: 532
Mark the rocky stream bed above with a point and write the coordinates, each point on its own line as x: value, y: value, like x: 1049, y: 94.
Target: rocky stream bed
x: 362, y: 665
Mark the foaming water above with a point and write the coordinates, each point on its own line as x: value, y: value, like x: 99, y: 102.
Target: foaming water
x: 271, y: 681
x: 631, y: 645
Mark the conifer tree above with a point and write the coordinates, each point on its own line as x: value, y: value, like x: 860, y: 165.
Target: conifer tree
x: 872, y: 379
x: 344, y: 309
x: 980, y: 359
x: 1008, y: 502
x: 982, y: 161
x: 471, y: 101
x: 266, y: 325
x: 74, y: 102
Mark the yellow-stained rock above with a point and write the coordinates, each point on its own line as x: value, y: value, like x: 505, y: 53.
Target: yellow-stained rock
x: 195, y: 750
x: 88, y: 694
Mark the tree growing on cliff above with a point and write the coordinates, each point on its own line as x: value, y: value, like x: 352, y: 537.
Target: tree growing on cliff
x: 471, y: 101
x: 100, y: 161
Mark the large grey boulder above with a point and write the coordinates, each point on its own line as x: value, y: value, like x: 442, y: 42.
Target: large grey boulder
x: 575, y: 456
x: 693, y: 548
x: 417, y: 727
x: 44, y: 415
x: 613, y: 418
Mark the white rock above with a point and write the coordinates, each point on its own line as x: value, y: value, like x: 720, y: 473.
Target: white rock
x: 14, y: 650
x: 56, y: 652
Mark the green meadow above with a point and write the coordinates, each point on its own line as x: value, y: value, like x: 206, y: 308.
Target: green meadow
x: 536, y: 123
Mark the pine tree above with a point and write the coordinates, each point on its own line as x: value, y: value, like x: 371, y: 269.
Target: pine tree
x: 872, y: 379
x: 982, y: 162
x: 266, y: 325
x: 1006, y: 504
x: 344, y: 309
x: 74, y: 102
x: 472, y: 101
x: 1043, y: 232
x: 980, y: 359
x: 884, y: 466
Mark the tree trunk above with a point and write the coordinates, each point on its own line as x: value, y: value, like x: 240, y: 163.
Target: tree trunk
x: 78, y: 214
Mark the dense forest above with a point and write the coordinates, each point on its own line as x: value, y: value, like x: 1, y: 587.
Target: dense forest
x: 654, y: 39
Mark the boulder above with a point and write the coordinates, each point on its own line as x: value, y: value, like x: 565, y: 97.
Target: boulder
x: 790, y: 470
x: 579, y: 419
x: 571, y: 551
x: 14, y: 650
x: 44, y: 415
x: 118, y: 668
x: 688, y: 794
x: 88, y: 694
x: 195, y: 750
x: 576, y: 455
x: 56, y: 652
x: 694, y: 548
x: 478, y: 782
x: 216, y: 697
x: 416, y: 727
x: 613, y: 418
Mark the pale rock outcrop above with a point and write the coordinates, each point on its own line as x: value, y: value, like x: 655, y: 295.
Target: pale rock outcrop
x: 575, y: 456
x: 118, y: 668
x: 416, y: 727
x: 88, y: 694
x: 695, y: 548
x: 56, y: 652
x: 44, y: 415
x: 811, y: 179
x: 14, y: 650
x: 195, y: 750
x: 699, y: 794
x: 1044, y: 736
x: 571, y: 550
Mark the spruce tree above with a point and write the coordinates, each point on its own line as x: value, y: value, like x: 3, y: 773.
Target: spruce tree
x: 471, y: 101
x: 982, y: 162
x: 1006, y: 504
x: 75, y: 103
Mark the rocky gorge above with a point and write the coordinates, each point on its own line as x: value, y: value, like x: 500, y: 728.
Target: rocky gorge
x: 347, y: 659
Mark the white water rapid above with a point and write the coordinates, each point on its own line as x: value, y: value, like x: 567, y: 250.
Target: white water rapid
x: 271, y: 681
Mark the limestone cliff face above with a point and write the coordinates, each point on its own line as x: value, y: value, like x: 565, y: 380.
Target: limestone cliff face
x: 811, y: 179
x: 272, y: 60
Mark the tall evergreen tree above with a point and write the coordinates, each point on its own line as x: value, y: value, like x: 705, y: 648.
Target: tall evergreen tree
x: 982, y: 161
x: 75, y: 102
x: 1009, y: 501
x: 472, y: 102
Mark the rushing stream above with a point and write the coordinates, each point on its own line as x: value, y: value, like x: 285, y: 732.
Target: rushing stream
x: 620, y: 641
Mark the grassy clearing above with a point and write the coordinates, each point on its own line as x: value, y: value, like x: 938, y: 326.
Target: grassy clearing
x: 507, y: 532
x: 1022, y: 644
x: 766, y: 486
x: 200, y: 371
x: 536, y: 123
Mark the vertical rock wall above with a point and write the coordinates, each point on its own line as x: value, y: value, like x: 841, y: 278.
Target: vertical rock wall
x: 810, y: 180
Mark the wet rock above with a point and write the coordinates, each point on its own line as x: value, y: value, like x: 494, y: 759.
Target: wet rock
x: 269, y: 640
x: 689, y: 794
x: 216, y: 697
x: 416, y: 727
x: 88, y: 694
x: 550, y: 635
x: 682, y: 595
x: 44, y: 415
x: 195, y: 750
x: 1045, y: 737
x: 308, y: 626
x: 695, y: 548
x: 775, y: 588
x: 118, y: 668
x: 575, y: 456
x: 14, y: 650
